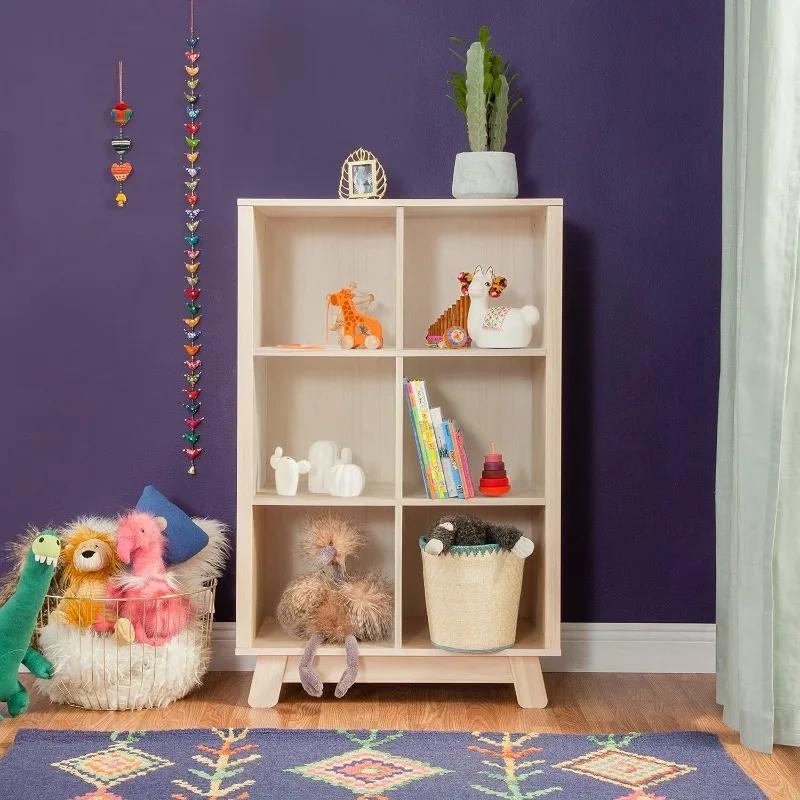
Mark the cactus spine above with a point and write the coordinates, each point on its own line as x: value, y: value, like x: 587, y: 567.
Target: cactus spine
x: 476, y: 98
x: 499, y: 121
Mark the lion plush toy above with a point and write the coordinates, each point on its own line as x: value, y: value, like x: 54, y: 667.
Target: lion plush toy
x: 88, y: 561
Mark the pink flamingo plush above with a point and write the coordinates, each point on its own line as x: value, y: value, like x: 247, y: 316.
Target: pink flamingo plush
x: 141, y: 543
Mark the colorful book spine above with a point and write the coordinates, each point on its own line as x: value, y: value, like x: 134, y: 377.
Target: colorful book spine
x: 420, y: 430
x: 444, y: 452
x: 428, y: 454
x: 415, y: 428
x: 460, y: 457
x: 447, y: 427
x: 469, y: 489
x: 437, y: 473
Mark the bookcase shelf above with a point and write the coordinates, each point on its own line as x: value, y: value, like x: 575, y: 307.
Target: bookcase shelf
x: 382, y: 494
x: 411, y: 352
x: 407, y: 253
x: 520, y: 496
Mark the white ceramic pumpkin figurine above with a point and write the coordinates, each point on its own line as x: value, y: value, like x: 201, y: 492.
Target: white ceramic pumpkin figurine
x: 501, y: 326
x: 346, y: 479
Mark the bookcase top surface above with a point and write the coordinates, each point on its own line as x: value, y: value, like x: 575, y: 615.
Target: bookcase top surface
x: 388, y: 207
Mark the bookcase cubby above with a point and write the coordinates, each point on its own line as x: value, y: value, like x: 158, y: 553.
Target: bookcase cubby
x: 292, y: 253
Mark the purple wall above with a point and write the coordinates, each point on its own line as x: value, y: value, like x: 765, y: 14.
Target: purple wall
x: 622, y: 118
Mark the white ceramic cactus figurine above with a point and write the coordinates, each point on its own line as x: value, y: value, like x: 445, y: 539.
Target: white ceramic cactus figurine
x: 287, y: 472
x: 323, y: 456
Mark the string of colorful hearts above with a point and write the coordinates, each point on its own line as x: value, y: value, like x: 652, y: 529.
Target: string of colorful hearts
x: 121, y: 114
x: 193, y: 363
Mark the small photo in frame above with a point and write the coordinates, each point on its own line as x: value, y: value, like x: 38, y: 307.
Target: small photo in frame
x: 363, y: 178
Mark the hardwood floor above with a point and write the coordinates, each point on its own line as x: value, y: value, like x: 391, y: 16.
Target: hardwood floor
x: 579, y: 703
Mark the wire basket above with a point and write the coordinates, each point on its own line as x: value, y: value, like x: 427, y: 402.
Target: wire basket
x: 103, y: 671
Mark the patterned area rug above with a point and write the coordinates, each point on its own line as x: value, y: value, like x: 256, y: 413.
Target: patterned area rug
x: 237, y: 764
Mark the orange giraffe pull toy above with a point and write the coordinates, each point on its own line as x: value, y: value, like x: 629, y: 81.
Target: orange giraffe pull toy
x: 355, y: 328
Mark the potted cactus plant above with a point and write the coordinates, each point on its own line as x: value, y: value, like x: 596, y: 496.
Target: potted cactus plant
x: 483, y: 93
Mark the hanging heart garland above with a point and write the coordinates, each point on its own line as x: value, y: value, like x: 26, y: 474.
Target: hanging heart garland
x: 192, y: 139
x: 121, y: 114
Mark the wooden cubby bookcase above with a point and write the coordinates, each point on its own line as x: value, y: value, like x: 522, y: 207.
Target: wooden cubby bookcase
x: 292, y: 253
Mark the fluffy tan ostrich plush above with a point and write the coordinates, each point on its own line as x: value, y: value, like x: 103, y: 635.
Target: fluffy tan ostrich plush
x: 329, y: 605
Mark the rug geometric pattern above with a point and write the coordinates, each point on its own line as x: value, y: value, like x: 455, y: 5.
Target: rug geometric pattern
x: 631, y: 770
x: 112, y: 766
x: 367, y: 771
x: 99, y: 794
x: 248, y: 764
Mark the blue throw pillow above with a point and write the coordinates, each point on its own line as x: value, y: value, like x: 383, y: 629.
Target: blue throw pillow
x: 185, y: 538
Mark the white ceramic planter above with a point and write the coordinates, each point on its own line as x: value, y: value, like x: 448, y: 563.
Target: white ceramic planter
x: 487, y: 175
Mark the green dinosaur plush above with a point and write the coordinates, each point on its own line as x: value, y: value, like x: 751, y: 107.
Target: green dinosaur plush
x: 18, y: 621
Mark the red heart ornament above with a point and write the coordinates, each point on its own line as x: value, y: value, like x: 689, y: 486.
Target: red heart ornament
x: 121, y: 171
x: 193, y: 254
x: 192, y: 349
x: 192, y: 56
x: 192, y: 394
x: 193, y: 452
x: 193, y: 423
x: 193, y: 364
x: 192, y: 198
x: 192, y: 127
x: 192, y: 294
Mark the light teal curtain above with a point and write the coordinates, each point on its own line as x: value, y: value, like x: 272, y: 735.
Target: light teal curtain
x: 758, y: 460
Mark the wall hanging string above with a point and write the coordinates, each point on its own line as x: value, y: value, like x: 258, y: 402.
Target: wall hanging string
x: 121, y: 114
x: 192, y: 321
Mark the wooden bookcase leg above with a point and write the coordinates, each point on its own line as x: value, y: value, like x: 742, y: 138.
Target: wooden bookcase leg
x: 267, y: 680
x: 528, y: 681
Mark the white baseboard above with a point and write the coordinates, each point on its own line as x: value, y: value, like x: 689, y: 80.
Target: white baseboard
x: 585, y: 647
x: 635, y: 647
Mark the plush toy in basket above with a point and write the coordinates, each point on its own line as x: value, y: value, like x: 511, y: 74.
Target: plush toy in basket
x: 330, y: 606
x: 136, y: 639
x: 88, y: 563
x: 147, y: 594
x: 463, y: 530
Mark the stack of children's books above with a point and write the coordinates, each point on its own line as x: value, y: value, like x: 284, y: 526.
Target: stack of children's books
x: 440, y: 447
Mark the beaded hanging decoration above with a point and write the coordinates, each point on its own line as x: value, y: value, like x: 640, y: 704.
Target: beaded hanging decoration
x: 121, y: 114
x: 192, y: 253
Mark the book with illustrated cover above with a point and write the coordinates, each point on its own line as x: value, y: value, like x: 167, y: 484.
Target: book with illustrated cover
x: 469, y: 488
x: 413, y: 417
x: 439, y: 489
x: 454, y: 459
x: 444, y: 451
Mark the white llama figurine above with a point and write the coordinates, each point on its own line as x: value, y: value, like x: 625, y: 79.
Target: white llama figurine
x: 501, y: 326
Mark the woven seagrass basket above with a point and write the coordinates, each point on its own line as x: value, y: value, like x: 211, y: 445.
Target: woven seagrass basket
x: 472, y: 595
